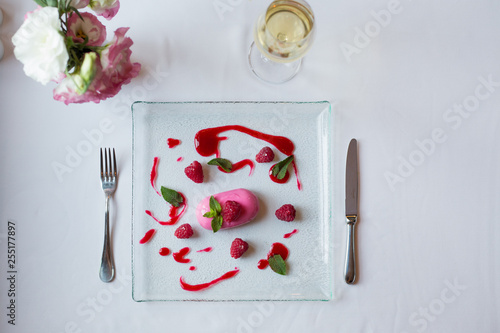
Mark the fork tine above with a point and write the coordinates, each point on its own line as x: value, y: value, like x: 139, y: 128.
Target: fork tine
x: 102, y: 174
x: 114, y: 163
x: 106, y: 172
x: 110, y: 174
x: 110, y: 164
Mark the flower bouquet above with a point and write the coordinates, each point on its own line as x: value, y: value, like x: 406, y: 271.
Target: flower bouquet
x: 57, y: 42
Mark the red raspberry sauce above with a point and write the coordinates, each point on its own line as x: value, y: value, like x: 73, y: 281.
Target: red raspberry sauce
x: 208, y: 249
x: 192, y: 268
x: 164, y: 251
x: 290, y: 233
x: 263, y: 263
x: 275, y: 179
x: 179, y: 256
x: 174, y: 217
x: 147, y: 237
x: 206, y: 141
x: 197, y: 287
x: 240, y: 165
x: 276, y: 248
x: 296, y: 171
x: 173, y: 142
x: 287, y: 175
x: 154, y: 173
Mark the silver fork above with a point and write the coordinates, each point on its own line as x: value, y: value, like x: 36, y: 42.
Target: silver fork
x: 108, y: 181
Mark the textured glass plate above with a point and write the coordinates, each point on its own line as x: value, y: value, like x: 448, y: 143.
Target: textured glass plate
x: 309, y: 126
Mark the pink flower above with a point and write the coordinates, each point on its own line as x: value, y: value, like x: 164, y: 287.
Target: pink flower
x: 112, y: 71
x: 115, y: 61
x: 105, y: 8
x: 90, y: 27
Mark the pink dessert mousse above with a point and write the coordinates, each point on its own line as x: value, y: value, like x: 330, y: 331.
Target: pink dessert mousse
x: 249, y: 208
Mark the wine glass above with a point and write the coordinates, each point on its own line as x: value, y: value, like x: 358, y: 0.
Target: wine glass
x: 282, y: 35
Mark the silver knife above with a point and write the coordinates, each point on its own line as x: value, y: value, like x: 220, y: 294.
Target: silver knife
x: 351, y: 209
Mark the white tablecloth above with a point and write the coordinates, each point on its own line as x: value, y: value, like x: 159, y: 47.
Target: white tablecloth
x: 416, y: 82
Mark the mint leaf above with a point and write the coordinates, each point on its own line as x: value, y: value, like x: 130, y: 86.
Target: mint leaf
x: 171, y: 196
x: 215, y: 205
x: 280, y: 168
x: 226, y: 165
x: 217, y: 223
x: 210, y: 214
x: 277, y: 264
x: 215, y: 214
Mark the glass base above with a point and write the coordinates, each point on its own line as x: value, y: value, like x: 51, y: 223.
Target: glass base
x: 271, y: 71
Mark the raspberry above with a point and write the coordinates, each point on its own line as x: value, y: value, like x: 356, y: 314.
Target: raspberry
x: 286, y: 213
x: 184, y: 231
x: 231, y: 211
x: 238, y: 247
x: 194, y: 171
x: 265, y: 155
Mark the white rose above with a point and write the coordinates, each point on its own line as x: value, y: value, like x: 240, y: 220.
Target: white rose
x: 39, y: 45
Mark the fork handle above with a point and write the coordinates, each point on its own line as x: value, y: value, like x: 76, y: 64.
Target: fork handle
x: 107, y: 271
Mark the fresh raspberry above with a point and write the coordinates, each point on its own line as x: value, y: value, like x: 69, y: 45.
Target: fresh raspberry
x: 265, y: 155
x: 231, y: 211
x: 286, y: 213
x: 194, y: 171
x: 184, y: 231
x: 238, y: 247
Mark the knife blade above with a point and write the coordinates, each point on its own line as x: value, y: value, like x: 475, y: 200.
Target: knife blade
x: 351, y: 209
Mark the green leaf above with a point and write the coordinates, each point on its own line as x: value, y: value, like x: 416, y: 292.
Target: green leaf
x: 210, y: 214
x: 171, y: 196
x: 79, y: 15
x: 214, y: 213
x: 215, y: 205
x: 277, y: 264
x: 41, y: 3
x: 226, y: 165
x: 280, y: 168
x: 217, y: 223
x: 52, y: 3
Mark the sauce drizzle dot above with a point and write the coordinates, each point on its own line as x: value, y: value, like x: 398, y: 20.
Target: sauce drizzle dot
x: 164, y: 251
x: 173, y: 142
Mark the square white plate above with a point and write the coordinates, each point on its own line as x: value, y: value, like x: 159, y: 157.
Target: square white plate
x: 309, y: 126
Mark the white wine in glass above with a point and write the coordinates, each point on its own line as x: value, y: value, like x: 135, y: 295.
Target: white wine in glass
x: 281, y: 38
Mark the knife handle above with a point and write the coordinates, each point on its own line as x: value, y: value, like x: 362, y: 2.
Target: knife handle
x: 350, y: 257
